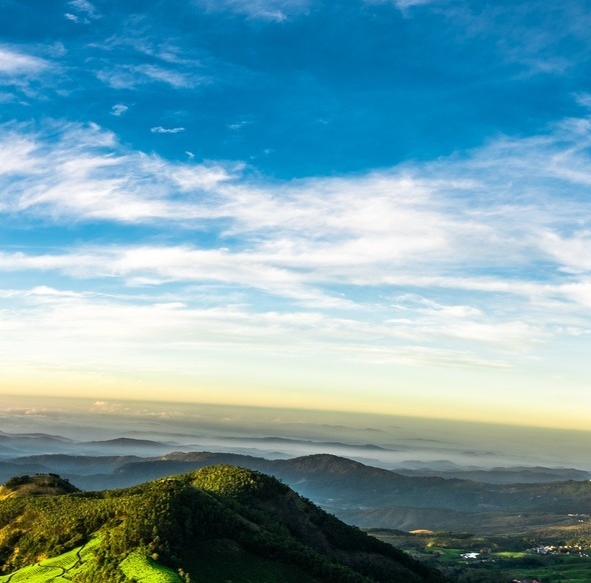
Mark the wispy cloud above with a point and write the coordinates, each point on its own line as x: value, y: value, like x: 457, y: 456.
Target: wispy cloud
x: 408, y: 3
x: 168, y: 76
x: 30, y: 73
x: 83, y: 6
x: 529, y: 35
x: 17, y: 63
x: 86, y: 175
x: 82, y: 11
x: 385, y: 248
x: 157, y: 61
x: 119, y: 109
x: 382, y: 217
x: 121, y: 328
x: 271, y: 10
x: 128, y: 77
x: 161, y: 130
x: 404, y: 5
x: 408, y: 202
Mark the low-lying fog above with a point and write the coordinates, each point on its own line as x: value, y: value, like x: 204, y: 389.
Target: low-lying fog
x: 384, y: 441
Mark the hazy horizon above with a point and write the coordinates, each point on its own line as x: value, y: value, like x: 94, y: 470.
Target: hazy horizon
x: 382, y: 440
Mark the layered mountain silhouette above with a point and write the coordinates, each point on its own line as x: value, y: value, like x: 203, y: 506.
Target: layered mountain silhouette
x: 357, y: 493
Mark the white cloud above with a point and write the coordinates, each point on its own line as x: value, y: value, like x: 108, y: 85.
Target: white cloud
x: 85, y: 175
x: 17, y: 155
x: 169, y: 76
x: 271, y: 10
x: 83, y: 6
x: 161, y: 62
x: 44, y: 290
x: 491, y: 263
x: 120, y: 330
x: 17, y: 63
x: 161, y: 130
x: 128, y: 77
x: 388, y: 218
x: 571, y: 252
x: 455, y: 207
x: 527, y: 35
x: 584, y: 99
x: 119, y: 109
x: 404, y: 4
x: 239, y: 125
x: 201, y: 177
x: 85, y: 11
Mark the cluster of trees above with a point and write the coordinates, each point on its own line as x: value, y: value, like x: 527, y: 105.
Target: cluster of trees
x: 38, y: 485
x: 237, y: 482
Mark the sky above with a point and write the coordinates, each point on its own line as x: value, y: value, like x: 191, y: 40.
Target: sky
x: 376, y: 206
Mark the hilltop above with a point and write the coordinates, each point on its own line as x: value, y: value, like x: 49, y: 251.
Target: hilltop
x: 213, y: 524
x: 38, y: 485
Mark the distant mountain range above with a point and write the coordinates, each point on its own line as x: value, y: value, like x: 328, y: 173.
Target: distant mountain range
x: 513, y: 475
x: 436, y: 497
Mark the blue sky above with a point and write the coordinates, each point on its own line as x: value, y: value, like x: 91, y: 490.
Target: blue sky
x: 357, y: 205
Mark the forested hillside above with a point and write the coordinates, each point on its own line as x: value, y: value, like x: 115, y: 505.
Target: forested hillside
x: 211, y: 525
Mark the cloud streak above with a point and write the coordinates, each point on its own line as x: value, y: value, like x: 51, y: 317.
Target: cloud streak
x: 161, y: 130
x: 449, y: 211
x: 270, y: 10
x: 14, y: 63
x: 131, y: 77
x: 450, y: 263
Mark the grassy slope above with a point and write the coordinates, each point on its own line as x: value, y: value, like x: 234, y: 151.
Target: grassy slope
x: 137, y: 566
x: 58, y: 569
x: 209, y: 562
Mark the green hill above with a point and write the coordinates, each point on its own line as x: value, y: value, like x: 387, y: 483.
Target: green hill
x: 217, y: 524
x: 38, y: 485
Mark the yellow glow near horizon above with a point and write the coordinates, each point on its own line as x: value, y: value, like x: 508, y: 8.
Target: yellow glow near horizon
x: 479, y: 406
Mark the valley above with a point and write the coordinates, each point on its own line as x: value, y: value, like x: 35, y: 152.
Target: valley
x: 559, y: 555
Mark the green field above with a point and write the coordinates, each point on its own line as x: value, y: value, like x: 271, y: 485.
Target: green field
x: 64, y: 568
x: 498, y: 559
x: 137, y: 566
x: 60, y: 569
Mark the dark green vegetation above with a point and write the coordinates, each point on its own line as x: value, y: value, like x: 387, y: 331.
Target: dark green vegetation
x: 215, y: 524
x: 373, y: 497
x: 359, y: 494
x: 550, y: 557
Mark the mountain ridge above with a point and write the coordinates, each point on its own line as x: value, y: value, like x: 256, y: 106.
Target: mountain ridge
x: 358, y: 493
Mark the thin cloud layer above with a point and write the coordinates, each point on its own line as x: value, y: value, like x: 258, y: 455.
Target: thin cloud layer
x: 161, y: 130
x: 425, y: 214
x: 365, y: 259
x: 272, y: 10
x: 13, y: 62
